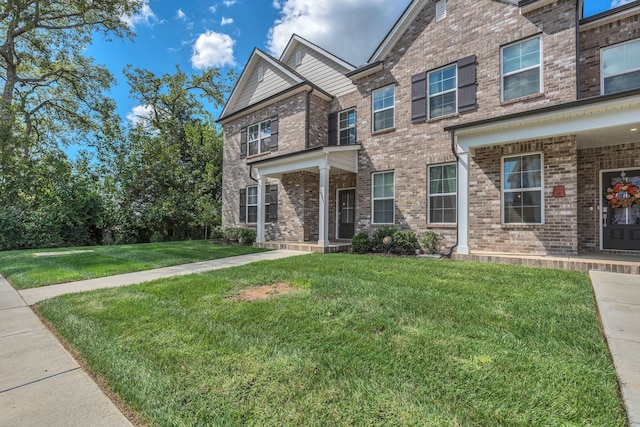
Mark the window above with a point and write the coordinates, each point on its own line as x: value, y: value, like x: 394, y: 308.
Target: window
x: 442, y: 193
x: 442, y: 91
x: 383, y: 108
x: 522, y: 189
x: 347, y: 127
x: 441, y: 9
x: 383, y: 189
x: 252, y: 204
x: 521, y: 70
x: 621, y: 67
x: 259, y: 137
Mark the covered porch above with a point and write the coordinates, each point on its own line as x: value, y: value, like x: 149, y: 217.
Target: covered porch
x: 584, y: 145
x: 323, y: 163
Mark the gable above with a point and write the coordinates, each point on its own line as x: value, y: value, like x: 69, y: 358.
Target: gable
x: 263, y: 77
x: 318, y: 66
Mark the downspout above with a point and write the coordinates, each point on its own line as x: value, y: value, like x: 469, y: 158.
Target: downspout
x: 578, y: 15
x: 455, y: 153
x: 251, y: 173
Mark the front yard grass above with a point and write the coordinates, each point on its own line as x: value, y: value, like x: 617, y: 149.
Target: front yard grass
x: 25, y: 270
x: 360, y: 340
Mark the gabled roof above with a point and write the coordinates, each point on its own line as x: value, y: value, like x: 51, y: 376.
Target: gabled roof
x: 256, y: 57
x: 297, y: 40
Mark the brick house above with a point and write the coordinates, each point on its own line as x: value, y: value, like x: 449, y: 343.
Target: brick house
x: 499, y: 124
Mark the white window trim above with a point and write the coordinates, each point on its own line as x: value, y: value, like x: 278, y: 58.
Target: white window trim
x: 374, y: 111
x: 540, y: 189
x: 266, y: 196
x: 430, y: 195
x: 602, y: 76
x: 430, y: 95
x: 340, y: 129
x: 503, y: 75
x: 260, y: 138
x: 374, y: 199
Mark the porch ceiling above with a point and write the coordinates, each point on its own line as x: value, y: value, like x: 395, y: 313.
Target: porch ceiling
x: 337, y: 159
x: 595, y: 124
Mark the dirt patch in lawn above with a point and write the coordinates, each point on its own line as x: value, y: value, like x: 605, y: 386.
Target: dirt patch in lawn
x: 264, y: 292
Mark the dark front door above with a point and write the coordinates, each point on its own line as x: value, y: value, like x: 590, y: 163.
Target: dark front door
x: 621, y: 210
x: 346, y: 213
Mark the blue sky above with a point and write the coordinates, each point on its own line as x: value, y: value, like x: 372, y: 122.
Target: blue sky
x: 197, y: 34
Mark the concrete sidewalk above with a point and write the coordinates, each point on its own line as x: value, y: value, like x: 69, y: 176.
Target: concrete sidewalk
x: 618, y: 298
x: 40, y: 382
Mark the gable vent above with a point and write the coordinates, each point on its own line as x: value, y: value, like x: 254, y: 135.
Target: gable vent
x: 260, y: 74
x: 441, y: 9
x: 298, y: 57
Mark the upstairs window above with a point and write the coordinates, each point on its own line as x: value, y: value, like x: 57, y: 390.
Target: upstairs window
x: 442, y: 91
x: 383, y: 108
x: 259, y: 137
x: 522, y: 187
x: 442, y: 193
x: 383, y: 190
x: 347, y: 127
x: 621, y: 67
x: 521, y: 70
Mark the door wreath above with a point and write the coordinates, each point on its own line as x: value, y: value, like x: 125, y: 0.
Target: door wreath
x: 622, y: 195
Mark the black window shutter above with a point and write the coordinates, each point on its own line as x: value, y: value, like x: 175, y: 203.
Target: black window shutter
x: 467, y: 84
x: 333, y: 129
x: 243, y: 205
x: 272, y: 212
x: 274, y: 133
x: 243, y: 143
x: 419, y: 98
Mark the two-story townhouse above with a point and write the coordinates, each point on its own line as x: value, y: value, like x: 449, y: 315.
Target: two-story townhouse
x: 501, y: 124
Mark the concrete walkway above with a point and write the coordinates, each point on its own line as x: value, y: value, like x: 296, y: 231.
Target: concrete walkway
x: 40, y: 382
x: 618, y: 298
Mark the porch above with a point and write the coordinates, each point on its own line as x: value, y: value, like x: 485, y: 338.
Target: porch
x: 613, y: 263
x: 333, y: 247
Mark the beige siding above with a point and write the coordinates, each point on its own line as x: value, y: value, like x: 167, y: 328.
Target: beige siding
x: 321, y: 71
x: 274, y: 82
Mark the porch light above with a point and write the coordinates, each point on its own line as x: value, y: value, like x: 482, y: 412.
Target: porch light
x: 634, y: 129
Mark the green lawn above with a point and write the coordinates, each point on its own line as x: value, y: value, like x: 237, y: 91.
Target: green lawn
x: 24, y: 270
x: 361, y: 340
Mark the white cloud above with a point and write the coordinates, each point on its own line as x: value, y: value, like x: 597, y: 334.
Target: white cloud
x: 229, y: 3
x: 145, y: 16
x: 617, y: 3
x: 350, y: 29
x: 140, y: 115
x: 181, y: 15
x: 277, y: 4
x: 213, y: 49
x: 226, y: 21
x: 213, y: 8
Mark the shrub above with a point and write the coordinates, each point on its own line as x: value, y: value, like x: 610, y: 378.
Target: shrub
x: 231, y: 234
x: 217, y: 233
x: 360, y: 243
x: 246, y: 236
x: 405, y: 242
x: 431, y: 242
x: 380, y: 233
x: 157, y: 237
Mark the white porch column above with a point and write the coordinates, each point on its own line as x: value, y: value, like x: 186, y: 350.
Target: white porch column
x: 260, y: 221
x: 323, y: 215
x: 463, y: 203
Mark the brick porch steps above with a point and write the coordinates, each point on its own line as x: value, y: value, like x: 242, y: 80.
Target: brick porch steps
x: 306, y: 246
x: 627, y: 264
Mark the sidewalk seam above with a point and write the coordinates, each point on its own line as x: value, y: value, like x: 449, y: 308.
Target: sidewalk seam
x: 41, y: 379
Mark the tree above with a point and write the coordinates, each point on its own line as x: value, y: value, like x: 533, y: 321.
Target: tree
x: 51, y: 92
x: 169, y: 173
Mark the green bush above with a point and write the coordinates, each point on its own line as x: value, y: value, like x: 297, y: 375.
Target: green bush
x: 431, y: 242
x: 380, y: 233
x: 231, y: 234
x: 246, y: 236
x: 404, y: 242
x: 360, y: 243
x: 217, y: 233
x: 157, y: 237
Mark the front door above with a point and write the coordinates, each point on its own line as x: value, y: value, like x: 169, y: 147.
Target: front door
x: 346, y: 213
x: 621, y: 210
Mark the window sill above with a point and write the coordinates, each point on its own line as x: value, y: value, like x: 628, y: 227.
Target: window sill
x: 526, y: 98
x: 451, y: 225
x: 258, y: 156
x: 521, y: 225
x: 383, y: 131
x: 443, y: 117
